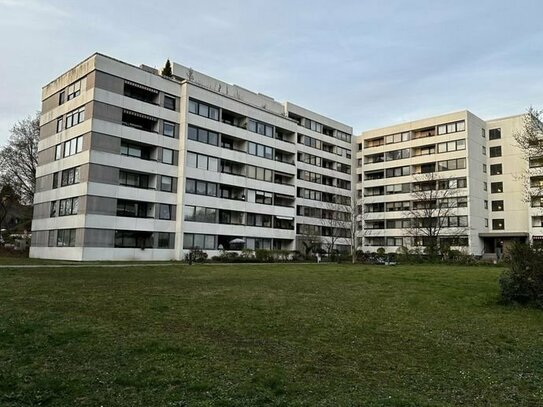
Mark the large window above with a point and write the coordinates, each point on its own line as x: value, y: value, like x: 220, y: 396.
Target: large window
x: 397, y: 138
x: 192, y: 240
x: 202, y: 161
x: 494, y: 134
x: 496, y: 169
x: 497, y: 206
x: 69, y: 206
x: 168, y: 129
x: 259, y: 173
x: 397, y: 172
x: 169, y: 102
x: 498, y: 224
x: 132, y: 179
x: 451, y: 146
x: 495, y: 151
x: 310, y: 176
x: 203, y: 135
x: 260, y: 128
x: 310, y: 141
x: 66, y: 237
x: 260, y: 150
x: 165, y: 212
x: 130, y: 239
x: 134, y: 150
x: 200, y: 214
x: 166, y: 183
x: 452, y: 183
x: 132, y: 209
x: 255, y: 219
x: 198, y: 187
x: 74, y: 90
x: 451, y: 127
x: 75, y: 117
x: 397, y: 154
x: 164, y: 241
x: 496, y: 187
x: 69, y: 177
x: 313, y: 125
x: 449, y: 165
x: 203, y: 109
x: 263, y: 197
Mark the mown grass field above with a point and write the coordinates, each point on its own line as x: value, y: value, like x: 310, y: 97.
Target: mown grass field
x: 265, y: 335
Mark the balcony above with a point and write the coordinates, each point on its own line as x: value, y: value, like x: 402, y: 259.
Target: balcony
x: 232, y: 192
x: 232, y: 167
x: 234, y: 119
x: 140, y: 121
x: 427, y: 132
x: 140, y: 92
x: 233, y: 143
x: 283, y: 200
x: 285, y: 135
x: 284, y: 157
x: 283, y: 178
x: 227, y: 217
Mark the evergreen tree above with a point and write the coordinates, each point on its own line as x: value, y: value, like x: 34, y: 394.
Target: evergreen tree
x: 167, y: 70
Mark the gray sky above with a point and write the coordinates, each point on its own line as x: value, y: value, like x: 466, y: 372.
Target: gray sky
x: 365, y: 63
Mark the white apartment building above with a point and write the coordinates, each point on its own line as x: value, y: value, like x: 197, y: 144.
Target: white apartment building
x: 137, y: 166
x: 471, y: 169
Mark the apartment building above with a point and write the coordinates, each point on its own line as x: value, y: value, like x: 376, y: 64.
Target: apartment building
x: 466, y: 172
x: 137, y: 166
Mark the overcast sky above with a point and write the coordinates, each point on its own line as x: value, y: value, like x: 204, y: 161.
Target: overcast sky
x: 365, y: 63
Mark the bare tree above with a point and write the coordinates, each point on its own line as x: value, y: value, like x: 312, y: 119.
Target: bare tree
x: 310, y: 239
x: 530, y: 141
x: 337, y: 220
x: 433, y: 213
x: 19, y: 158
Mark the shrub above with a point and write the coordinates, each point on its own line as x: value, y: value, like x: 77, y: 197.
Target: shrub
x: 523, y: 281
x: 196, y: 255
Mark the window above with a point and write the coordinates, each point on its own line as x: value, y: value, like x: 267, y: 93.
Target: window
x: 494, y: 134
x: 449, y: 165
x: 260, y: 150
x: 164, y: 241
x: 203, y: 109
x: 60, y: 122
x: 313, y: 125
x: 259, y: 173
x: 397, y: 189
x: 310, y: 141
x: 397, y: 172
x: 53, y: 211
x: 52, y: 238
x: 203, y: 135
x: 165, y: 212
x: 191, y: 240
x: 484, y: 150
x: 310, y: 176
x: 133, y: 209
x: 254, y: 219
x: 166, y: 183
x: 61, y: 98
x: 397, y: 138
x: 198, y: 187
x: 310, y: 159
x: 484, y: 168
x: 203, y: 162
x: 55, y: 180
x: 75, y: 117
x: 496, y: 151
x: 346, y: 137
x: 66, y: 237
x: 74, y: 90
x: 498, y: 224
x: 129, y: 238
x: 73, y: 146
x: 262, y: 197
x: 485, y: 204
x: 452, y: 183
x: 134, y: 150
x: 497, y: 206
x: 397, y: 206
x: 168, y: 129
x: 451, y: 146
x: 132, y: 179
x: 260, y: 128
x: 68, y: 206
x: 483, y: 133
x: 70, y: 177
x: 485, y: 186
x: 496, y: 187
x: 496, y: 169
x: 58, y: 151
x: 169, y: 102
x: 397, y: 154
x: 486, y: 222
x: 451, y: 127
x: 167, y: 156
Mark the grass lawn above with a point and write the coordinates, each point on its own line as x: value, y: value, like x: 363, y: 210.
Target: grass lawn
x: 265, y: 335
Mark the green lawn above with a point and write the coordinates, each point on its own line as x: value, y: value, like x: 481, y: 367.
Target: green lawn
x: 277, y: 335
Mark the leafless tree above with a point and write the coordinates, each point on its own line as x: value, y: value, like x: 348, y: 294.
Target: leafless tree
x: 530, y: 141
x: 19, y: 158
x: 433, y: 213
x: 337, y: 220
x: 310, y: 240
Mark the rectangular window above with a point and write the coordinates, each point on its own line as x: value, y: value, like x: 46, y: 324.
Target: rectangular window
x: 262, y: 128
x: 451, y: 146
x: 53, y: 211
x: 451, y: 127
x: 75, y: 117
x: 58, y: 151
x: 61, y: 98
x: 164, y: 241
x: 129, y: 238
x: 494, y: 134
x: 132, y: 179
x: 167, y: 156
x: 164, y: 212
x: 69, y: 206
x: 73, y: 146
x: 168, y: 129
x: 55, y: 180
x: 166, y: 183
x: 60, y: 122
x: 203, y: 109
x: 498, y: 224
x: 202, y: 161
x: 74, y: 90
x: 497, y: 206
x: 169, y: 102
x: 66, y: 238
x: 496, y: 169
x: 260, y: 150
x: 69, y: 177
x: 206, y: 242
x: 203, y: 135
x: 449, y: 165
x: 495, y: 151
x: 496, y: 187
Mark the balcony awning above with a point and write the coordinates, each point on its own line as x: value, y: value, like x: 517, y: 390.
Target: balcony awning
x: 141, y: 115
x: 284, y: 217
x: 504, y: 234
x: 283, y: 196
x: 139, y: 85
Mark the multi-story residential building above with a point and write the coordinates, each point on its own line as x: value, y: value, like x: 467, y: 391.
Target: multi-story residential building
x: 465, y: 171
x: 135, y: 165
